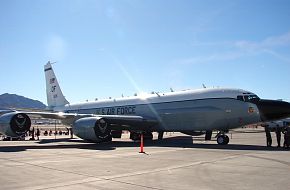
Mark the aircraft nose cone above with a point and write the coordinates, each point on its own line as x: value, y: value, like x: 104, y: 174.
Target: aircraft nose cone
x: 273, y: 109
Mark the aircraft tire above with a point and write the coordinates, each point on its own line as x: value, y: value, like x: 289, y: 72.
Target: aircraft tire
x: 222, y: 139
x: 148, y: 136
x: 134, y: 136
x: 137, y: 136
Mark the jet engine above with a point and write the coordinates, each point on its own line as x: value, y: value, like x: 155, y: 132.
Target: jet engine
x: 94, y: 129
x: 14, y: 124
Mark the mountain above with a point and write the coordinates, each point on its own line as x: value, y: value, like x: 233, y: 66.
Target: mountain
x: 16, y: 101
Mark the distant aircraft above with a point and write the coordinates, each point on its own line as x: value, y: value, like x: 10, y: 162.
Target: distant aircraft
x: 190, y: 112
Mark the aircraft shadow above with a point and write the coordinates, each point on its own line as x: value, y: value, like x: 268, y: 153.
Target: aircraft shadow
x: 198, y: 142
x: 46, y: 144
x: 176, y: 142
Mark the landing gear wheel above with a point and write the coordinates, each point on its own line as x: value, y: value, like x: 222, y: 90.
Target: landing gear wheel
x: 134, y: 136
x: 222, y: 139
x: 148, y: 136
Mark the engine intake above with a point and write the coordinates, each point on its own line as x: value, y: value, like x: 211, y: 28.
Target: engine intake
x: 94, y: 129
x: 14, y: 124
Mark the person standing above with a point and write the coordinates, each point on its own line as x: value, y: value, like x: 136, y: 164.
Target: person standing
x: 71, y: 133
x: 278, y: 135
x: 50, y: 132
x: 286, y: 138
x: 268, y: 136
x: 37, y: 133
x: 32, y: 134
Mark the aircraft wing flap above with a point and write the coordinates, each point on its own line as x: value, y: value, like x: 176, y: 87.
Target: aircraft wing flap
x: 57, y: 115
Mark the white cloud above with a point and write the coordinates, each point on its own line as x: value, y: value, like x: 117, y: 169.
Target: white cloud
x: 56, y: 48
x: 225, y: 43
x: 223, y: 56
x: 241, y: 48
x: 283, y: 40
x: 270, y: 42
x: 269, y: 46
x: 277, y: 55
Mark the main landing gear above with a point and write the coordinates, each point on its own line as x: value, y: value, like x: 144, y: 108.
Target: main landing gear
x: 147, y: 135
x: 222, y: 138
x: 160, y: 135
x: 136, y: 136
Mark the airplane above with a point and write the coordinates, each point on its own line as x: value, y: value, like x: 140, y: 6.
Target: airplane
x: 189, y: 112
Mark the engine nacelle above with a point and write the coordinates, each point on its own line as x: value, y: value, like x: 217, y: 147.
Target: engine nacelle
x: 14, y: 124
x: 94, y: 129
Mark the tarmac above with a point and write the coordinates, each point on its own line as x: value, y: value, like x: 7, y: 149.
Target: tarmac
x: 176, y: 162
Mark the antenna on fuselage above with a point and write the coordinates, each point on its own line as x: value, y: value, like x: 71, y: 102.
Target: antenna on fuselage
x: 203, y: 86
x: 51, y: 62
x: 157, y: 94
x: 171, y: 90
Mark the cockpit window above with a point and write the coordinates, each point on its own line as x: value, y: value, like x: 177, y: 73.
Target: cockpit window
x: 248, y: 98
x: 253, y: 98
x: 240, y: 98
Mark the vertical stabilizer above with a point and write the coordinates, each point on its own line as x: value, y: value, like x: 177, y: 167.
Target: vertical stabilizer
x: 54, y: 94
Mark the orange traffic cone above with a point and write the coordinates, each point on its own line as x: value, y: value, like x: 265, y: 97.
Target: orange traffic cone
x: 141, y: 144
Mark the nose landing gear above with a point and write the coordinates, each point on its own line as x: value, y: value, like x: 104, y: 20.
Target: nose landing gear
x: 222, y: 138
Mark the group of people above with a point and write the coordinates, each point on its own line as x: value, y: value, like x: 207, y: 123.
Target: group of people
x: 36, y: 133
x: 32, y: 133
x: 278, y: 131
x: 60, y: 132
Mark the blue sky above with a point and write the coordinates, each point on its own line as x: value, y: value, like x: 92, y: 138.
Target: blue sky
x: 109, y: 48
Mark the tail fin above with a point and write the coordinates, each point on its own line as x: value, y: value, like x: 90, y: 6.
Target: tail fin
x: 55, y: 98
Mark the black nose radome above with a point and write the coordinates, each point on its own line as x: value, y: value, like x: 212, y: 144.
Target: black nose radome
x: 273, y: 109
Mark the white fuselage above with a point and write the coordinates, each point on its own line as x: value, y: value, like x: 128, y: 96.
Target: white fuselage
x: 184, y: 110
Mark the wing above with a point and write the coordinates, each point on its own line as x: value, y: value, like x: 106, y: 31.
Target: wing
x: 117, y: 122
x: 86, y: 126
